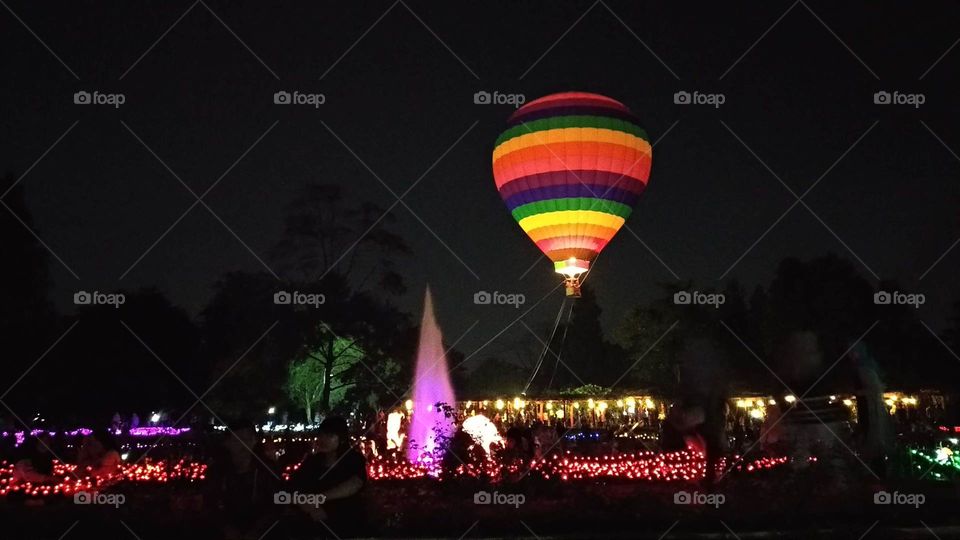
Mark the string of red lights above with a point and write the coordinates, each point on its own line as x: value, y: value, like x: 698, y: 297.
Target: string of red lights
x: 73, y: 481
x: 643, y: 466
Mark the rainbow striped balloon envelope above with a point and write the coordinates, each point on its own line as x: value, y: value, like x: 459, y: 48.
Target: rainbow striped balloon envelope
x: 570, y: 167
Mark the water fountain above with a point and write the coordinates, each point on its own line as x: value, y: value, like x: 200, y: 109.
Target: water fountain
x: 430, y: 426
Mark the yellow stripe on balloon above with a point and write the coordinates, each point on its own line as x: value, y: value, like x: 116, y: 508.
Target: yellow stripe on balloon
x: 584, y: 135
x: 560, y: 231
x: 571, y: 218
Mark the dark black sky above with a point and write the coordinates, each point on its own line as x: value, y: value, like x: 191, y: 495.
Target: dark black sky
x: 400, y: 94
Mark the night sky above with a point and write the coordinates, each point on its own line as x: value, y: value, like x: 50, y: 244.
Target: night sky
x: 798, y: 80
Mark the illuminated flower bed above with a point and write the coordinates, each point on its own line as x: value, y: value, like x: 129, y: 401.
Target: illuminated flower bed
x: 72, y: 481
x: 643, y: 466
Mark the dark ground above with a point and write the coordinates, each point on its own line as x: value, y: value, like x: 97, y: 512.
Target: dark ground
x: 773, y: 504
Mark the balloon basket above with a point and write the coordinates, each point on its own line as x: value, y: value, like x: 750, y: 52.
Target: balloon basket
x: 572, y: 286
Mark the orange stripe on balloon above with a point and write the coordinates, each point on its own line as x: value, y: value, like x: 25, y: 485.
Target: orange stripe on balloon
x: 612, y: 158
x: 571, y: 134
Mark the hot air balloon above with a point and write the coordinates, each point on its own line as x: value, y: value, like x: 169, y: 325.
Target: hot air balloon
x: 570, y: 167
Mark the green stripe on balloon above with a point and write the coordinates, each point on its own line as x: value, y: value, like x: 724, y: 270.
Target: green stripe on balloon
x: 574, y: 203
x: 560, y: 122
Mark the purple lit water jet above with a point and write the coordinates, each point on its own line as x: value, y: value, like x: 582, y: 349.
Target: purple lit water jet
x: 429, y: 425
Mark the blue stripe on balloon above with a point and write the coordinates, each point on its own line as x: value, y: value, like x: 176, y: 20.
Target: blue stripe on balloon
x: 572, y: 191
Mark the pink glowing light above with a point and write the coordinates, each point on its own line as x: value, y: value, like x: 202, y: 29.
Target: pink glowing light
x: 429, y: 425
